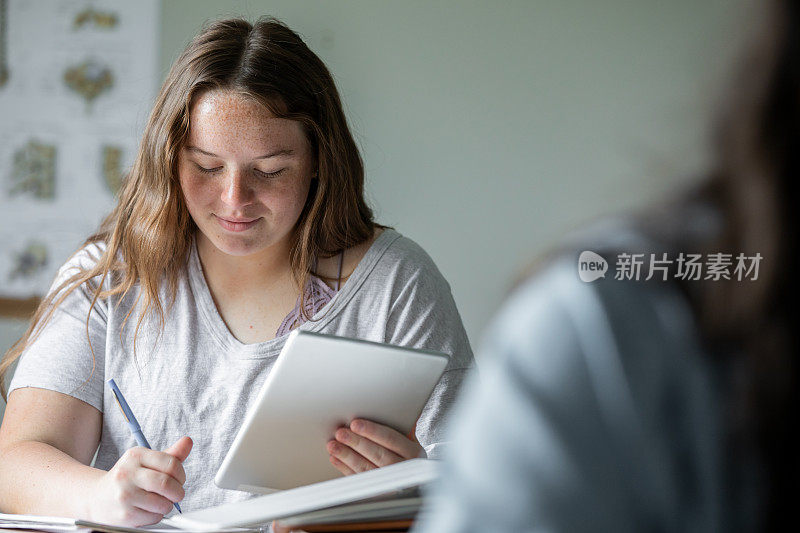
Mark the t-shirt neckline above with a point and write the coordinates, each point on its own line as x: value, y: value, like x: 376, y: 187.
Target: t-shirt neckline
x: 235, y: 348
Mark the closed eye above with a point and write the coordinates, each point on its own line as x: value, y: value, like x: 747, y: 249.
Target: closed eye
x: 208, y: 170
x: 258, y: 172
x: 270, y: 174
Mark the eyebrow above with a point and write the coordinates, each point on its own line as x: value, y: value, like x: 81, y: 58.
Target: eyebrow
x: 282, y: 151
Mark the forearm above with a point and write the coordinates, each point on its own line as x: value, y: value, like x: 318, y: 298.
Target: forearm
x: 37, y: 478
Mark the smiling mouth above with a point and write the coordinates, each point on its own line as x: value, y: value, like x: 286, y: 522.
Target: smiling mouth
x: 236, y: 224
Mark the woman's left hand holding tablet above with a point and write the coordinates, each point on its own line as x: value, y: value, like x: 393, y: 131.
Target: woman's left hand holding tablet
x: 366, y: 445
x: 363, y: 446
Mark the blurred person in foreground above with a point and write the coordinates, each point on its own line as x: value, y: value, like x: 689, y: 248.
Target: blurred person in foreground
x: 658, y: 405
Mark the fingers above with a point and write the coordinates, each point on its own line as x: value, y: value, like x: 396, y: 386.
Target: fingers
x: 144, y: 484
x: 138, y: 507
x: 149, y: 502
x: 162, y: 462
x: 136, y: 517
x: 340, y: 466
x: 387, y: 437
x: 346, y: 455
x: 374, y: 453
x: 181, y: 448
x: 159, y: 483
x: 367, y: 445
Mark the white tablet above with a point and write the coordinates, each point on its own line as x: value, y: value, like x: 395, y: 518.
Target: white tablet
x: 318, y: 384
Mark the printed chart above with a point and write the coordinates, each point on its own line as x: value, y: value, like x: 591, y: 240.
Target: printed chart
x: 77, y: 80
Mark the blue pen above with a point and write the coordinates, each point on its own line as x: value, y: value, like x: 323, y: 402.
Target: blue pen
x: 134, y: 426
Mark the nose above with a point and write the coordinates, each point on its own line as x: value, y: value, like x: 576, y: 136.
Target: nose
x: 236, y: 191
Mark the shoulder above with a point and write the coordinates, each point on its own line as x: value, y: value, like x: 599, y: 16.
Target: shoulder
x: 388, y: 255
x: 556, y: 297
x: 403, y: 257
x: 536, y: 327
x: 328, y: 267
x: 620, y: 344
x: 84, y: 259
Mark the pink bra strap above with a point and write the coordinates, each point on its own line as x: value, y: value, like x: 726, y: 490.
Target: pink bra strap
x: 317, y: 295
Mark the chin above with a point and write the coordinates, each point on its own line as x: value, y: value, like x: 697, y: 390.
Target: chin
x: 242, y: 246
x: 236, y: 247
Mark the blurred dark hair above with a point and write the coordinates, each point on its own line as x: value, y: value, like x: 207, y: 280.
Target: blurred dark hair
x: 747, y: 204
x: 753, y: 188
x: 748, y: 326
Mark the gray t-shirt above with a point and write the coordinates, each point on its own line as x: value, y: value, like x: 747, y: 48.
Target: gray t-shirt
x: 195, y: 378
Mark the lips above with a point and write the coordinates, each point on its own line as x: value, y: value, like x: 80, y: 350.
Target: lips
x: 236, y: 224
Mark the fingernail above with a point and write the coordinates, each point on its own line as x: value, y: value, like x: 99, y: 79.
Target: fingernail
x: 357, y: 425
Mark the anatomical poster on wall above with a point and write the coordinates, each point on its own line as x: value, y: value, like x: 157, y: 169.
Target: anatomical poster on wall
x: 77, y: 81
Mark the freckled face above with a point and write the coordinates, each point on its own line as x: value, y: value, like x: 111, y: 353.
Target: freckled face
x: 244, y: 173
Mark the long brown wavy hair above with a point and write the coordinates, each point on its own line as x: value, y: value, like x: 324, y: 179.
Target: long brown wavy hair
x: 149, y: 233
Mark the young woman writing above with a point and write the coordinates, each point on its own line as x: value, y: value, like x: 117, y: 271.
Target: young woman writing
x: 242, y: 218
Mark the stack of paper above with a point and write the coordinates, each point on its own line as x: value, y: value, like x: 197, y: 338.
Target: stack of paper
x: 396, y: 509
x: 381, y: 494
x: 57, y: 524
x: 42, y: 523
x: 385, y: 494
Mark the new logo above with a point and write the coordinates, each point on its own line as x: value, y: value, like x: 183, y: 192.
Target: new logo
x: 591, y: 266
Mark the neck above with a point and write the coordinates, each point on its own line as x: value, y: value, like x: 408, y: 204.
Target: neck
x: 258, y: 271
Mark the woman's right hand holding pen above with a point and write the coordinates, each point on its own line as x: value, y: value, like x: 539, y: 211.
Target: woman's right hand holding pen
x: 141, y: 487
